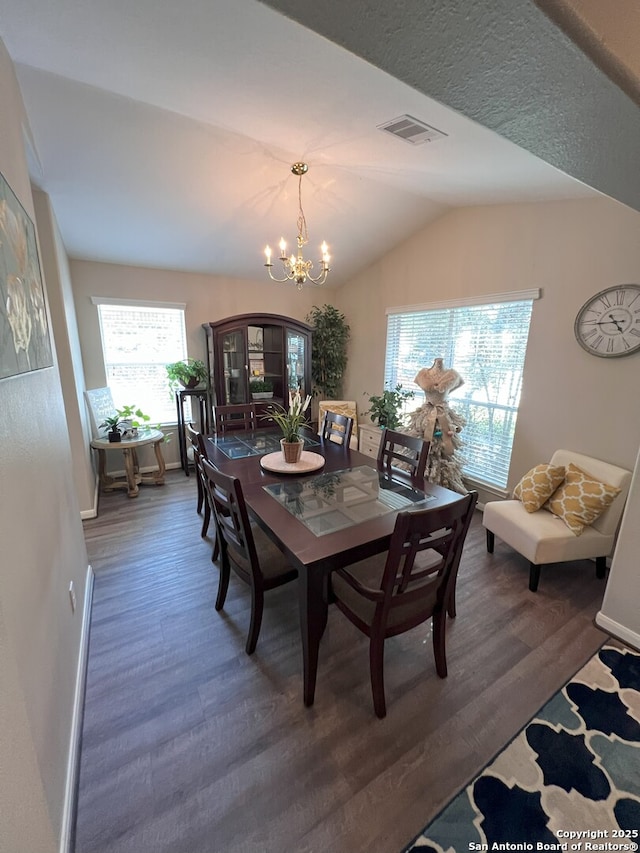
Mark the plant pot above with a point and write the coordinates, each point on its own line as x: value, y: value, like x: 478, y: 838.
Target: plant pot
x: 191, y: 383
x: 291, y: 450
x: 262, y: 395
x: 114, y: 436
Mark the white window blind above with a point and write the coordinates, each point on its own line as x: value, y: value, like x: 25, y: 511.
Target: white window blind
x: 138, y: 340
x: 486, y: 344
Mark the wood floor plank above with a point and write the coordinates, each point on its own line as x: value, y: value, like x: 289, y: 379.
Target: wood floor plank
x: 191, y: 745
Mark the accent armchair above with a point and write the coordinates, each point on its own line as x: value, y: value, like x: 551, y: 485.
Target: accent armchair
x: 543, y: 538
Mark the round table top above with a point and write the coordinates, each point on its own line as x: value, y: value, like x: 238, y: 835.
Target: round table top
x: 308, y: 462
x: 145, y: 436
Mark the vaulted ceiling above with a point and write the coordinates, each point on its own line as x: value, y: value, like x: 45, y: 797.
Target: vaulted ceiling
x: 164, y: 135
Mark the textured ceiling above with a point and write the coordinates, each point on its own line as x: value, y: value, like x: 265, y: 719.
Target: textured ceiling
x: 608, y: 33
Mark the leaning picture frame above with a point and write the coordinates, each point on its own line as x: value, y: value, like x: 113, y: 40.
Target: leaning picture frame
x: 25, y: 342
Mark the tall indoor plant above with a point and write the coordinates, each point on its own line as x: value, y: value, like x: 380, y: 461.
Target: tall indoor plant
x: 328, y: 350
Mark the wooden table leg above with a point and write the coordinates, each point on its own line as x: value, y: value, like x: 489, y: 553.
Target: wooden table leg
x: 130, y: 460
x: 313, y: 620
x: 158, y: 475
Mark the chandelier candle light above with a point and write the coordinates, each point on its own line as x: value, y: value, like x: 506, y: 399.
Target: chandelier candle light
x: 295, y: 268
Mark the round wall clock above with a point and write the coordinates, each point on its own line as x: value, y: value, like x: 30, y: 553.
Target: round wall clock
x: 608, y: 324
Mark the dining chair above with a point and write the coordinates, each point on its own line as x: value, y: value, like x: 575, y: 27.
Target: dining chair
x: 203, y: 456
x: 337, y: 428
x: 403, y: 457
x: 203, y: 500
x: 391, y: 593
x: 340, y: 407
x: 240, y: 417
x: 240, y: 545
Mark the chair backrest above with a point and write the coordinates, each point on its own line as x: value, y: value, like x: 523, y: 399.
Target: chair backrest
x: 421, y: 585
x: 402, y: 456
x: 607, y: 523
x: 337, y: 428
x: 340, y: 407
x: 232, y: 519
x: 241, y: 417
x: 193, y: 437
x: 100, y: 405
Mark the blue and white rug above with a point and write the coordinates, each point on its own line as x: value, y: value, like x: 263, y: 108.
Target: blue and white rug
x: 570, y: 780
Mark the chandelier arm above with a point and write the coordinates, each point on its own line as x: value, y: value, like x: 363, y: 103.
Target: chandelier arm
x: 273, y: 278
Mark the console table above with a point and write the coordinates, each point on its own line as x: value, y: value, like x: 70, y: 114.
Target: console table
x: 129, y: 447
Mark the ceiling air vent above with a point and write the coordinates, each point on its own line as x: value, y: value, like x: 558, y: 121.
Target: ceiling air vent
x: 411, y: 130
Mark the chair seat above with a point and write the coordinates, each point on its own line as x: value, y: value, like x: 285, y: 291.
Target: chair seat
x: 369, y: 573
x: 272, y: 561
x: 540, y: 536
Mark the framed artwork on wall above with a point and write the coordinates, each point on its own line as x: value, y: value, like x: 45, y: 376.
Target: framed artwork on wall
x: 25, y: 344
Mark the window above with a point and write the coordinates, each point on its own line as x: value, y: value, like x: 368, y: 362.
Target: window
x: 138, y: 340
x: 485, y: 340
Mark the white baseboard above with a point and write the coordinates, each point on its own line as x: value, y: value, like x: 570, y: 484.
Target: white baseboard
x: 617, y: 630
x: 73, y: 763
x: 93, y: 512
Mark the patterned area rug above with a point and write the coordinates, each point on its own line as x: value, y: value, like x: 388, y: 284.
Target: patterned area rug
x: 570, y: 780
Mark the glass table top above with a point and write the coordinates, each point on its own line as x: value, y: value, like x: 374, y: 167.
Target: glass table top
x: 238, y: 445
x: 333, y: 501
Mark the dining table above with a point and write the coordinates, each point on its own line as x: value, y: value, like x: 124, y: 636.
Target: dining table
x: 336, y: 513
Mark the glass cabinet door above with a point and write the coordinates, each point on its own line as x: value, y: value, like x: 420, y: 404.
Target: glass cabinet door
x: 234, y: 367
x: 296, y: 362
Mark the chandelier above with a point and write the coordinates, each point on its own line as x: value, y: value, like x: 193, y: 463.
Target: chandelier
x: 294, y: 267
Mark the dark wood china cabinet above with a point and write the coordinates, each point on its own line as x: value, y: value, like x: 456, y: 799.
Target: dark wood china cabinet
x: 250, y: 348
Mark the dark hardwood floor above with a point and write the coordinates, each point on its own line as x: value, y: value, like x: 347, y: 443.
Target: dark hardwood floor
x: 191, y: 746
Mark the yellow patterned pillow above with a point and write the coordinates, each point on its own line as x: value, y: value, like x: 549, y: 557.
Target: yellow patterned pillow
x: 580, y: 499
x: 538, y: 485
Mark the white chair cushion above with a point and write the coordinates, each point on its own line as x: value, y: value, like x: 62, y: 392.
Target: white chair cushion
x: 540, y: 536
x: 543, y: 538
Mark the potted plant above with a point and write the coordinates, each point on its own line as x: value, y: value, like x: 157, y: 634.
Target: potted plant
x: 291, y: 421
x: 190, y: 372
x: 261, y: 389
x: 384, y: 409
x: 112, y: 424
x: 328, y: 350
x: 131, y: 419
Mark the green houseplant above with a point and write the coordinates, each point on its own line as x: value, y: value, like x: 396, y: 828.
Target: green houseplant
x: 328, y: 350
x: 190, y: 372
x: 112, y: 425
x: 261, y: 389
x: 291, y: 421
x: 136, y: 417
x: 384, y: 409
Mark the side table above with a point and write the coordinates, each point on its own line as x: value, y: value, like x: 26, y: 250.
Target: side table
x: 129, y: 447
x: 201, y: 395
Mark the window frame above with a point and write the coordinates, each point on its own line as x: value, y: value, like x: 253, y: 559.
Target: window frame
x: 461, y: 401
x: 150, y: 305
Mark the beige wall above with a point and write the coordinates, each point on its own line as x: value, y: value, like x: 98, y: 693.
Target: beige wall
x: 207, y: 298
x: 570, y: 250
x: 42, y: 551
x: 55, y: 267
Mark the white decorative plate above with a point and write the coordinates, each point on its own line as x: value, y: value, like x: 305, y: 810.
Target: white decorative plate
x: 308, y: 462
